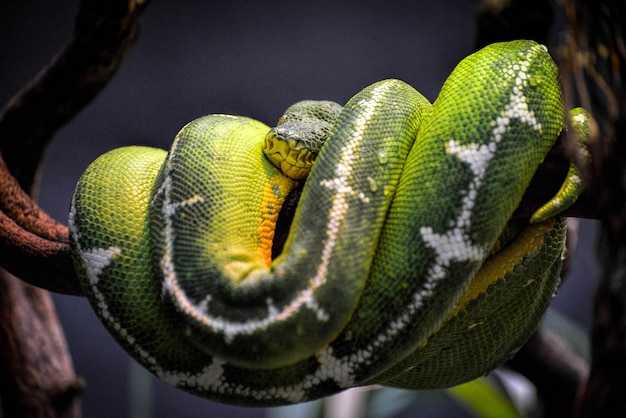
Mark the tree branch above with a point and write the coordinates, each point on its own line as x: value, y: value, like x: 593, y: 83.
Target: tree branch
x: 104, y: 34
x: 32, y: 245
x: 555, y: 370
x: 594, y: 69
x: 36, y: 373
x: 36, y: 370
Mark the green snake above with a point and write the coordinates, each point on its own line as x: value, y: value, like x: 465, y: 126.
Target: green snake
x: 402, y: 266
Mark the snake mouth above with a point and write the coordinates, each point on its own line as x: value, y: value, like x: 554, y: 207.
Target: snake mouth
x: 273, y: 148
x: 291, y: 159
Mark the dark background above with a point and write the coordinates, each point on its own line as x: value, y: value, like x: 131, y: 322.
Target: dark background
x: 246, y: 58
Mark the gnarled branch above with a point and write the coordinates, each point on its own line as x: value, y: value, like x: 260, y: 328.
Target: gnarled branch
x: 104, y: 34
x: 36, y: 372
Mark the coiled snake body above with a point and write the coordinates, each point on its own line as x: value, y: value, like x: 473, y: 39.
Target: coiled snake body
x: 401, y: 266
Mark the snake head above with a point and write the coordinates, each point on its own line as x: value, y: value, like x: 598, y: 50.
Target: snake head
x: 289, y: 153
x: 293, y: 144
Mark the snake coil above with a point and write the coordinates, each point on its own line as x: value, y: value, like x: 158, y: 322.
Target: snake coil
x: 402, y: 266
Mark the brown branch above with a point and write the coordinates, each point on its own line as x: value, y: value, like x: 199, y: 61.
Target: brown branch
x: 36, y: 370
x: 36, y: 373
x: 32, y: 245
x: 555, y: 370
x: 104, y: 34
x: 603, y: 393
x: 594, y: 64
x: 18, y: 206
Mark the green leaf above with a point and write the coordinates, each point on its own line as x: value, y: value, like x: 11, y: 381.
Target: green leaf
x: 481, y: 398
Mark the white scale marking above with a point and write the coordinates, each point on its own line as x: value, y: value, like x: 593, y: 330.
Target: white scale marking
x: 209, y: 377
x: 305, y: 298
x: 97, y: 259
x: 453, y: 244
x: 94, y: 261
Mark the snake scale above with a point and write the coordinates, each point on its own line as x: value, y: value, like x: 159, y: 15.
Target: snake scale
x: 402, y: 266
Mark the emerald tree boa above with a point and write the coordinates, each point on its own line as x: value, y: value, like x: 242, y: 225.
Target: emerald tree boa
x: 402, y: 266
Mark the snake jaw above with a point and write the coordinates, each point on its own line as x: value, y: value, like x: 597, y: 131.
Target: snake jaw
x: 293, y: 144
x: 293, y: 160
